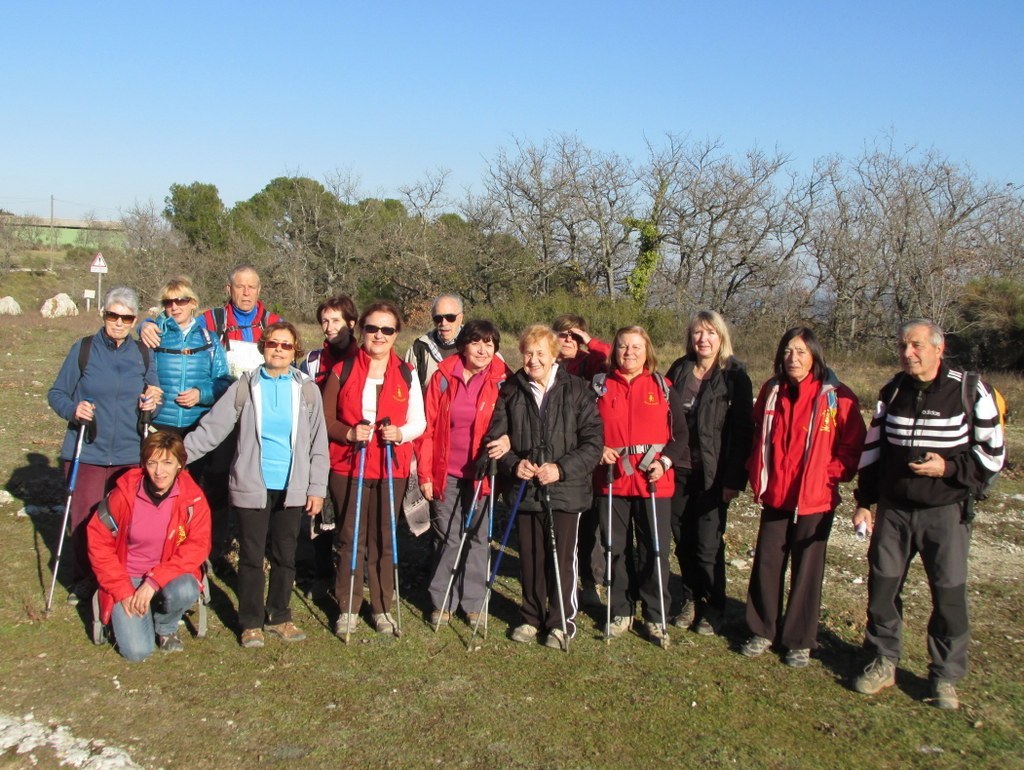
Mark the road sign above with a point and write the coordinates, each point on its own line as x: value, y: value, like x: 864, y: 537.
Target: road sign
x: 99, y: 264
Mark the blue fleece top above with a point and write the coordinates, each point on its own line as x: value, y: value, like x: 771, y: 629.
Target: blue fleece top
x: 114, y: 378
x: 276, y: 428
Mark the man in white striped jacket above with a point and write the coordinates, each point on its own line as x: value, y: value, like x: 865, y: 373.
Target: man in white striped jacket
x: 924, y: 460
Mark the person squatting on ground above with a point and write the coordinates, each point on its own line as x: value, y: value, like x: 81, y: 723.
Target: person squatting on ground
x: 924, y: 460
x: 584, y: 356
x: 460, y: 402
x: 717, y: 397
x: 641, y: 446
x: 106, y: 386
x: 556, y: 438
x: 438, y: 344
x: 190, y: 362
x: 808, y: 435
x: 149, y: 550
x: 278, y: 473
x: 379, y: 403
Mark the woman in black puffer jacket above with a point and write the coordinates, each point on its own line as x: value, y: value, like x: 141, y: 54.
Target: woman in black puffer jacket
x: 557, y: 437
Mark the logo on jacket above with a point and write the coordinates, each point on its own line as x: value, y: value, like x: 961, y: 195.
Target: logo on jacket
x: 651, y: 399
x: 182, y: 535
x: 399, y: 394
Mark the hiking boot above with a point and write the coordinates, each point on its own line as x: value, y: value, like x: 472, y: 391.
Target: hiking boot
x: 524, y: 633
x: 590, y: 596
x: 252, y: 638
x: 287, y: 631
x: 384, y: 623
x: 878, y: 674
x: 439, y: 618
x: 944, y: 695
x: 686, y: 615
x: 797, y: 658
x: 170, y: 643
x: 472, y: 618
x: 346, y: 623
x: 556, y: 640
x: 755, y: 645
x: 655, y: 633
x: 620, y: 625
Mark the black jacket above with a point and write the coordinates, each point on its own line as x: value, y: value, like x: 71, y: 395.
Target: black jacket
x: 725, y: 423
x: 570, y: 429
x: 910, y: 420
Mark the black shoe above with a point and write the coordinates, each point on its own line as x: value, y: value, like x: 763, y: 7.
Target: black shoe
x: 170, y: 643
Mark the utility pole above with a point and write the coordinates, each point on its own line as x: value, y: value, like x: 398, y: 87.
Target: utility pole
x: 53, y: 235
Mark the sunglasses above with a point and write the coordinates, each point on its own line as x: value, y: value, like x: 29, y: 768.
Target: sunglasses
x: 178, y: 301
x: 110, y: 315
x: 449, y: 317
x: 569, y: 336
x: 387, y: 331
x: 273, y: 344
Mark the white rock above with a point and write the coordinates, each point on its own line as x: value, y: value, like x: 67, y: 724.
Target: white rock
x: 60, y: 306
x: 6, y: 497
x: 9, y: 306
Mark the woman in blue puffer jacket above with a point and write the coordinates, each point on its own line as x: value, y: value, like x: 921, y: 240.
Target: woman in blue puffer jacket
x: 190, y: 362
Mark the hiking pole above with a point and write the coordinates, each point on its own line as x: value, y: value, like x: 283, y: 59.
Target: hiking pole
x: 651, y: 486
x: 389, y: 455
x: 492, y: 472
x: 608, y: 561
x: 361, y: 446
x: 497, y: 562
x: 545, y: 501
x: 67, y: 509
x: 458, y: 554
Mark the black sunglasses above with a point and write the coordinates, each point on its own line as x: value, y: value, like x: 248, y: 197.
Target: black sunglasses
x: 110, y: 315
x: 387, y: 331
x: 179, y: 301
x: 275, y: 344
x: 449, y: 317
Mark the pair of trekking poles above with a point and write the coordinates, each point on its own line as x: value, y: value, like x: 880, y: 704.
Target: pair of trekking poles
x: 389, y: 464
x: 545, y: 501
x: 655, y: 547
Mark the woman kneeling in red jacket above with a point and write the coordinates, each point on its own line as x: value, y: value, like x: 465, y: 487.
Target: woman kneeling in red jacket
x: 147, y: 546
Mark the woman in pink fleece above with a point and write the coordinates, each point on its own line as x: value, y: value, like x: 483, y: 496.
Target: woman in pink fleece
x: 147, y: 544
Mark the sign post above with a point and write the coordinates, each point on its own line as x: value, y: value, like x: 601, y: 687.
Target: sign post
x: 98, y: 266
x: 89, y: 295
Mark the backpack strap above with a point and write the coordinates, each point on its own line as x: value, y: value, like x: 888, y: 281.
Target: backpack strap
x: 85, y: 349
x: 599, y: 383
x: 106, y: 517
x: 241, y: 394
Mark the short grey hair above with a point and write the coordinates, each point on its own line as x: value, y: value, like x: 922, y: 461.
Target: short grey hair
x: 453, y: 297
x: 122, y: 295
x: 936, y: 337
x: 243, y: 268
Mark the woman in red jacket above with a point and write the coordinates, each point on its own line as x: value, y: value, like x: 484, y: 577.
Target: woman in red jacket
x: 808, y: 434
x: 148, y: 547
x: 374, y: 405
x: 640, y: 449
x: 460, y: 400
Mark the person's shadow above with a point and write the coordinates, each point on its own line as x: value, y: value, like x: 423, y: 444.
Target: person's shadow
x: 41, y: 487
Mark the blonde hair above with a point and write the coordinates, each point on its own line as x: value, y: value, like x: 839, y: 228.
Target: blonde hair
x: 716, y: 322
x: 178, y: 287
x: 539, y: 333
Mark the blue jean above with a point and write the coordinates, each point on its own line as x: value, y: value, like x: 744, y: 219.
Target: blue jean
x: 136, y: 635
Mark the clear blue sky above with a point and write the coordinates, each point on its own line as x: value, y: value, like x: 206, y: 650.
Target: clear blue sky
x: 108, y: 104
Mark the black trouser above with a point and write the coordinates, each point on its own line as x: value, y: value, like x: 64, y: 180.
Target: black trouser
x: 537, y: 570
x: 698, y: 525
x: 254, y: 525
x: 943, y: 540
x: 803, y: 545
x: 644, y: 584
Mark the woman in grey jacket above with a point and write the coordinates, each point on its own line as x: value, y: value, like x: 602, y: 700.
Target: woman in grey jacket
x: 279, y: 471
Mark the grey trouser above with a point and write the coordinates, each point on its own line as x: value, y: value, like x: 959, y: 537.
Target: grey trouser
x: 942, y: 539
x: 447, y: 522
